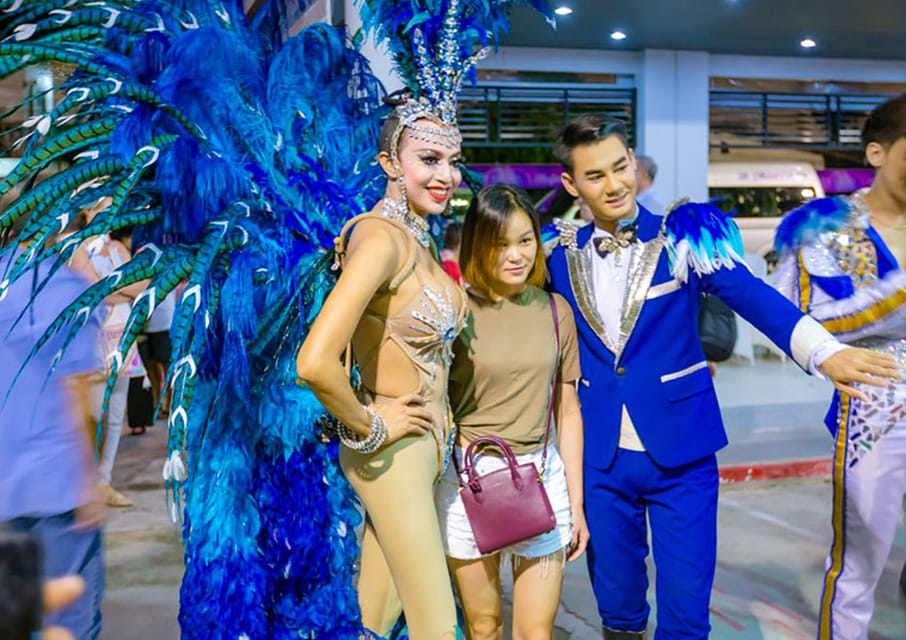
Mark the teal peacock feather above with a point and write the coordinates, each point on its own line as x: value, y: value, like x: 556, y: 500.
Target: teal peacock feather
x: 61, y: 254
x: 95, y: 133
x: 42, y: 196
x: 15, y: 57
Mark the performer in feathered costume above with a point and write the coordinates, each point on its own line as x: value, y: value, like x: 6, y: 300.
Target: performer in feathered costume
x: 397, y: 312
x: 239, y: 155
x: 652, y: 422
x: 842, y: 262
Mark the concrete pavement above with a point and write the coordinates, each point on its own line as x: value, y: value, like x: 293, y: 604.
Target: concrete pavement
x: 773, y: 535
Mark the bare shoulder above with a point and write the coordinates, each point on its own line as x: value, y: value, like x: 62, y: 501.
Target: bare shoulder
x: 376, y: 238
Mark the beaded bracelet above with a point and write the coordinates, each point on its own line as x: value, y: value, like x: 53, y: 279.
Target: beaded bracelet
x: 375, y: 439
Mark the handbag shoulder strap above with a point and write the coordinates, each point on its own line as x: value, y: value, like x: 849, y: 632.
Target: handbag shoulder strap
x: 554, y: 377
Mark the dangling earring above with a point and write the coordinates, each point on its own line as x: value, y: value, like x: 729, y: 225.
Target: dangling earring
x: 403, y: 198
x: 398, y: 208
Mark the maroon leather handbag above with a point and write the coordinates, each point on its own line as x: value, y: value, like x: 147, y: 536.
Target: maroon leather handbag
x: 508, y: 505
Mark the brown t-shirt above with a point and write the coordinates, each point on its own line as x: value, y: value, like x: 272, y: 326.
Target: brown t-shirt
x: 500, y: 382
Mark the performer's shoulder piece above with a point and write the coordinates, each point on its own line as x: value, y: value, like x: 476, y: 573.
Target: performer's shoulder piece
x: 699, y: 236
x: 560, y: 233
x: 805, y: 225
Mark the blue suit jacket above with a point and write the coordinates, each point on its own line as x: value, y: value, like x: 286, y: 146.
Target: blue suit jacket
x: 657, y: 368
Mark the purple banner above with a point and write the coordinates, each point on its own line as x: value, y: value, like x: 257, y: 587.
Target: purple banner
x: 844, y: 180
x: 527, y: 176
x: 547, y: 176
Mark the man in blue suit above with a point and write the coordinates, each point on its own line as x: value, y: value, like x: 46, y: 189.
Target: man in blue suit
x: 652, y: 423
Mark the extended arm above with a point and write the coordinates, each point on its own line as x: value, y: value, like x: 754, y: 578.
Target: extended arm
x: 79, y: 386
x: 768, y: 311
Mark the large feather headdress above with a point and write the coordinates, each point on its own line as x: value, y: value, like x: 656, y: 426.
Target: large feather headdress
x: 435, y: 45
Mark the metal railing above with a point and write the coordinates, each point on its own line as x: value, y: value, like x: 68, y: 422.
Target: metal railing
x: 531, y: 115
x: 791, y: 120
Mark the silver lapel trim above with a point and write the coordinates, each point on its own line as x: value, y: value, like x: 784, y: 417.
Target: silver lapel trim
x: 578, y: 263
x: 641, y: 273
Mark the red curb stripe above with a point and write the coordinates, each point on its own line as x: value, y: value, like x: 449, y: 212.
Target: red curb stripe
x: 775, y: 470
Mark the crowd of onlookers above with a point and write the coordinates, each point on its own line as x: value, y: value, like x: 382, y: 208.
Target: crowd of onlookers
x: 58, y: 434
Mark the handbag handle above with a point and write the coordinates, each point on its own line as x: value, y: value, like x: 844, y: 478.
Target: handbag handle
x: 501, y: 444
x: 474, y: 482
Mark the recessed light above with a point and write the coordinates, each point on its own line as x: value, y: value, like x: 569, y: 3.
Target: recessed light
x: 617, y: 35
x: 563, y: 11
x: 808, y: 43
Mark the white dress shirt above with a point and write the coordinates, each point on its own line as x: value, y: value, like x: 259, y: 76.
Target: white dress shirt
x: 610, y: 277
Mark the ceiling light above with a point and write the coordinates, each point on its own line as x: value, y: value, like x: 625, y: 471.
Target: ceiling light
x: 563, y: 11
x: 617, y: 35
x: 808, y: 43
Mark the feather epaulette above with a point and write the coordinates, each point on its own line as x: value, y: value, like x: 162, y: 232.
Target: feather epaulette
x: 699, y: 236
x: 802, y: 226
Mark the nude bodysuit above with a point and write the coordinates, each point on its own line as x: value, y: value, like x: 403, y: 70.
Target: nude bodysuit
x: 423, y: 328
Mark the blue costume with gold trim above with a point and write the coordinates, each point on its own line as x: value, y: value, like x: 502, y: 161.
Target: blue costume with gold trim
x: 838, y: 268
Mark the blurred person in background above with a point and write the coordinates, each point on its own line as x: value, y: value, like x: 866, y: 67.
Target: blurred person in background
x: 449, y: 255
x: 585, y: 213
x: 646, y: 171
x: 96, y: 258
x: 139, y: 405
x: 146, y: 392
x: 49, y: 485
x: 154, y: 347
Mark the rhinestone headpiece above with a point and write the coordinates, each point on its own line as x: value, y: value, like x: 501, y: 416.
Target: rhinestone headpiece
x: 435, y: 45
x: 410, y: 112
x: 440, y: 76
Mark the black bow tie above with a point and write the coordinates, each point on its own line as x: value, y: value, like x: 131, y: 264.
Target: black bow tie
x: 613, y: 244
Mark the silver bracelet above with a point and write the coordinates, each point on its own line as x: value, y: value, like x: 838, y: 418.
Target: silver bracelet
x: 375, y: 439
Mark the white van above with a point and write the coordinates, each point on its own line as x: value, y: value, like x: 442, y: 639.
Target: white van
x: 759, y: 193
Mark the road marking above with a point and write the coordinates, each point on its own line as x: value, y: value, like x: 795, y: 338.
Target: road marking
x: 768, y: 517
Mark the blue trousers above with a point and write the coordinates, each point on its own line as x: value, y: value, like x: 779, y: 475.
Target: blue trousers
x: 69, y: 551
x: 681, y: 506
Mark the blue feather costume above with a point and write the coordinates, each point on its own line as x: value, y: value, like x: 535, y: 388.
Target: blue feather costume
x: 239, y: 154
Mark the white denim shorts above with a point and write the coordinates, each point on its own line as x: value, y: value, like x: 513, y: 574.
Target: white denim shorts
x: 459, y: 542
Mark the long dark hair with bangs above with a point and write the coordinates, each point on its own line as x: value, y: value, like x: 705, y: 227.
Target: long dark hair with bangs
x: 484, y: 225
